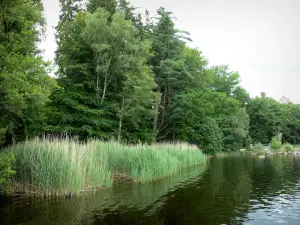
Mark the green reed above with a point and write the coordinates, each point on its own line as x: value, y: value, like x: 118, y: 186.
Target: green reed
x: 63, y: 166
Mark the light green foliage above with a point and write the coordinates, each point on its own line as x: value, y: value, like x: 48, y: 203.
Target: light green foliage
x: 7, y: 161
x: 259, y: 149
x: 276, y: 142
x: 121, y: 61
x: 62, y: 166
x: 287, y: 147
x: 223, y: 80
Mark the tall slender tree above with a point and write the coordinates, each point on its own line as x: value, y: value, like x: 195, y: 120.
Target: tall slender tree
x: 167, y: 48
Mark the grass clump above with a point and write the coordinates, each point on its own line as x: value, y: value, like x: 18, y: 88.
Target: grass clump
x: 57, y: 167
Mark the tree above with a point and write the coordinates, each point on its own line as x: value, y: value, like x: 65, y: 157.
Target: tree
x: 290, y: 123
x: 265, y: 119
x: 104, y: 77
x: 224, y: 80
x: 169, y: 67
x: 235, y: 130
x: 121, y: 56
x: 75, y: 103
x: 211, y: 136
x: 68, y: 11
x: 241, y: 95
x: 24, y: 83
x: 109, y: 5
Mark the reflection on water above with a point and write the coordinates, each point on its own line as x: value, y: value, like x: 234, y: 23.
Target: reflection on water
x: 231, y: 190
x: 120, y: 199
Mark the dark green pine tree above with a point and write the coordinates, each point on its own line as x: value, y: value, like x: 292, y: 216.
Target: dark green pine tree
x: 177, y: 69
x: 166, y: 47
x: 108, y: 5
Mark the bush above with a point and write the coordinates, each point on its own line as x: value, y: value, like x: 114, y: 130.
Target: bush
x: 7, y: 161
x: 288, y: 147
x: 210, y: 140
x: 259, y: 149
x: 276, y: 142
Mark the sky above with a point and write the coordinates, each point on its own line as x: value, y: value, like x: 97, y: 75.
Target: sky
x: 258, y: 38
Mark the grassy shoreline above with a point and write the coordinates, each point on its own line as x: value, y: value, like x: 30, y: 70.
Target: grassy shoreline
x: 63, y: 166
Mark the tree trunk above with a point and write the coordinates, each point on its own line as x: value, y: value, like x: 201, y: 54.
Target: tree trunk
x: 120, y: 120
x: 155, y: 121
x: 104, y: 90
x: 106, y: 82
x: 97, y: 90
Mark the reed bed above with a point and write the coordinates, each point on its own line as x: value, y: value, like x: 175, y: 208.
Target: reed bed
x: 62, y: 166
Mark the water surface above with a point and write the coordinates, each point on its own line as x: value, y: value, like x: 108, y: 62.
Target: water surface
x: 231, y: 190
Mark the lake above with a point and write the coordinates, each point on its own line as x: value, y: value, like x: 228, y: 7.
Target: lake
x: 230, y: 190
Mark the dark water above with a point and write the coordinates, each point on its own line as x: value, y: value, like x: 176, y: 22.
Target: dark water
x: 231, y: 190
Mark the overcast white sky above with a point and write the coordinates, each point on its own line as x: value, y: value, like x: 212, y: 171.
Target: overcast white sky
x: 258, y: 38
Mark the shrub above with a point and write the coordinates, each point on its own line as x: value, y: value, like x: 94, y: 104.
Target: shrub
x: 7, y: 161
x: 276, y: 142
x: 288, y: 147
x: 260, y: 152
x: 211, y: 137
x: 259, y: 149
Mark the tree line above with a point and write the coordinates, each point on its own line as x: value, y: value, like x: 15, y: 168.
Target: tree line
x: 127, y: 76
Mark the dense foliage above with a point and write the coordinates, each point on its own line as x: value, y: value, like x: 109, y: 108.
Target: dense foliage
x: 7, y: 161
x: 24, y: 82
x: 127, y: 76
x: 269, y: 118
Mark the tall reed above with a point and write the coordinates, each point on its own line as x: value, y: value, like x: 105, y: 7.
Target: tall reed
x: 63, y: 166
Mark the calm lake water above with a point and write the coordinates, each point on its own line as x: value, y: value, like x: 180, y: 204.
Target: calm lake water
x: 230, y: 190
